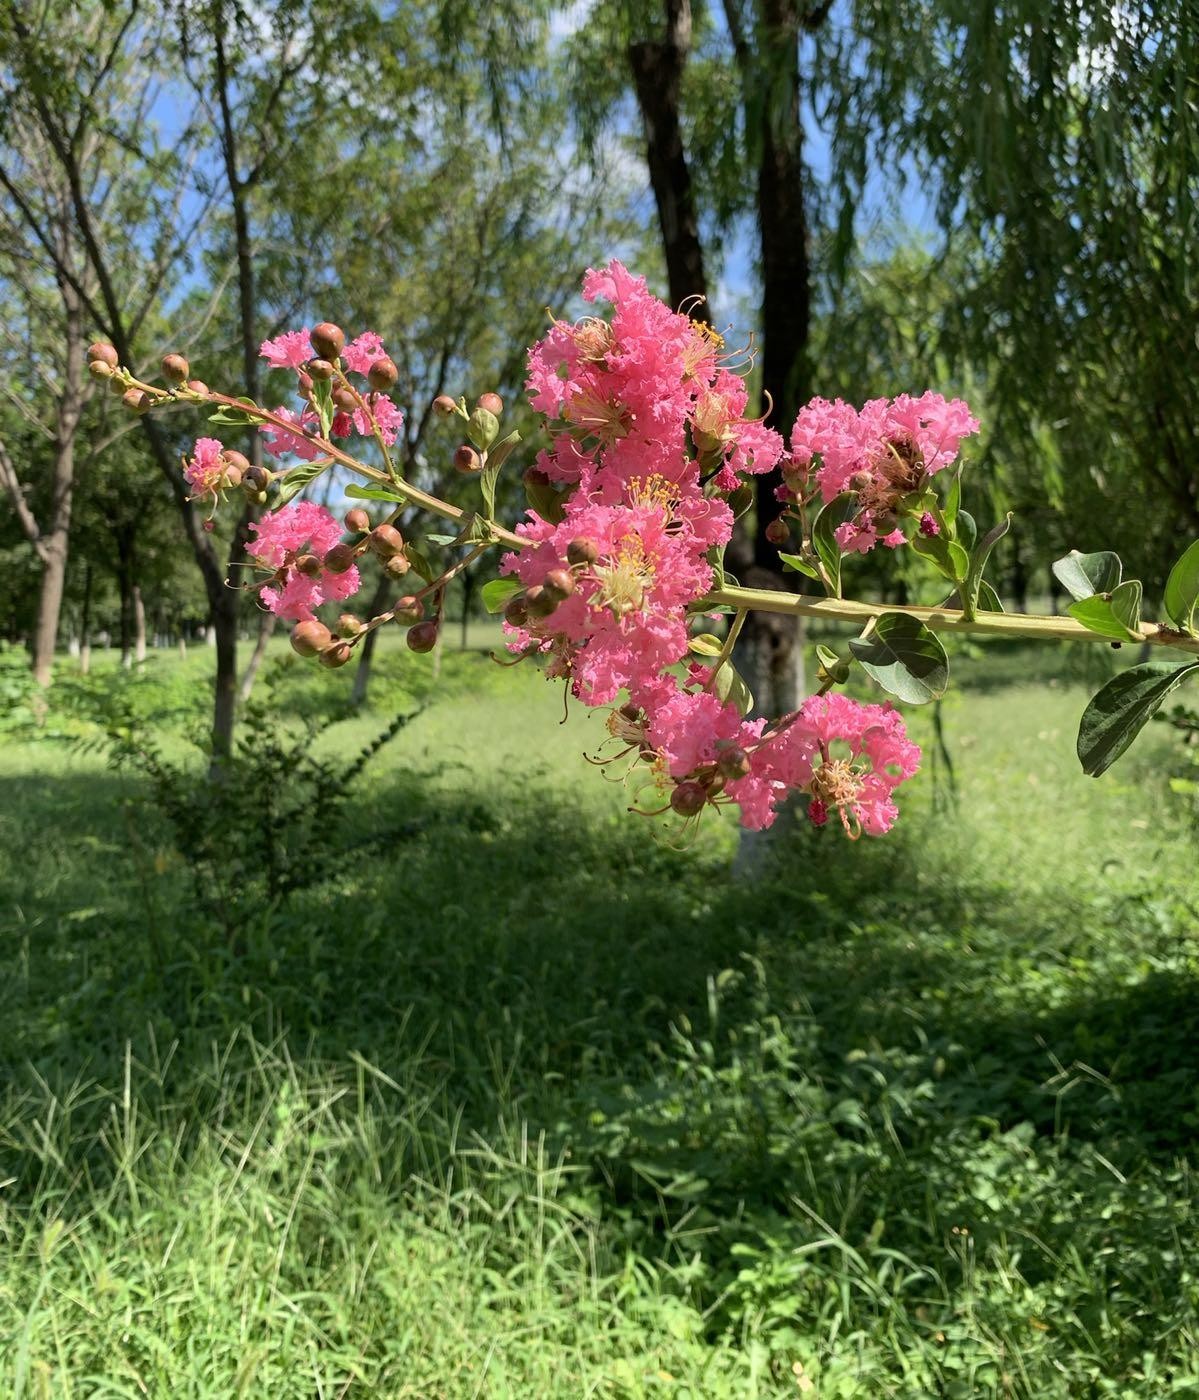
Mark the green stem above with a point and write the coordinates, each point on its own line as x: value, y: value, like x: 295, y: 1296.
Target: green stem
x: 1034, y: 625
x: 727, y: 649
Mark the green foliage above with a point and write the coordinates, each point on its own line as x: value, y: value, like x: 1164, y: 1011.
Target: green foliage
x: 905, y: 657
x: 612, y: 1123
x: 1121, y: 710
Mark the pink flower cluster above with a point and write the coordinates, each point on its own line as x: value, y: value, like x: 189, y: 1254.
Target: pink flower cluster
x: 650, y: 438
x: 293, y: 350
x: 883, y: 453
x: 204, y: 471
x: 296, y: 543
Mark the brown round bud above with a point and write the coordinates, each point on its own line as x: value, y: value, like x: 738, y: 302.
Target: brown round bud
x: 560, y: 583
x: 305, y: 385
x: 327, y: 340
x: 688, y: 798
x: 348, y: 625
x: 136, y: 400
x: 539, y: 601
x: 467, y: 460
x: 443, y: 406
x: 175, y: 368
x: 358, y: 520
x: 383, y: 374
x: 408, y: 610
x: 515, y: 611
x: 423, y: 637
x: 254, y: 478
x: 309, y: 637
x: 98, y: 369
x: 778, y: 532
x: 336, y: 655
x: 232, y: 458
x: 230, y: 477
x: 197, y: 386
x: 384, y: 541
x: 339, y: 558
x: 732, y: 763
x: 534, y: 476
x: 491, y: 403
x: 345, y: 399
x: 397, y: 566
x: 582, y: 551
x: 320, y: 369
x: 309, y: 565
x: 105, y: 353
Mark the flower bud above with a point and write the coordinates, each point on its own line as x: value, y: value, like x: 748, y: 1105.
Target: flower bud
x: 539, y: 601
x: 560, y: 583
x: 254, y: 478
x: 232, y: 458
x: 358, y: 520
x: 327, y: 340
x: 408, y: 610
x: 197, y: 386
x: 175, y: 368
x: 443, y: 406
x: 516, y: 614
x: 99, y: 369
x: 320, y: 369
x: 339, y: 558
x: 345, y: 399
x: 491, y: 403
x: 928, y: 525
x: 305, y: 381
x: 309, y: 637
x: 336, y: 655
x: 688, y: 798
x: 103, y: 352
x: 384, y: 541
x: 230, y: 477
x: 582, y: 551
x: 116, y: 386
x: 309, y: 565
x: 423, y: 637
x: 777, y: 532
x: 732, y: 763
x: 136, y: 400
x: 397, y: 566
x: 348, y: 625
x: 467, y: 460
x: 383, y: 374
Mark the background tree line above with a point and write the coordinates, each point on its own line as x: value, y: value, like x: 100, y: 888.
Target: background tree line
x: 995, y: 200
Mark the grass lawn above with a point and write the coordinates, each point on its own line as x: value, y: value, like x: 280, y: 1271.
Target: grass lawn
x: 519, y: 1096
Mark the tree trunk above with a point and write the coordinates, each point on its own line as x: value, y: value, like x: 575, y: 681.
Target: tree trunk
x: 266, y: 629
x: 85, y: 624
x: 362, y: 675
x: 139, y: 625
x: 657, y: 68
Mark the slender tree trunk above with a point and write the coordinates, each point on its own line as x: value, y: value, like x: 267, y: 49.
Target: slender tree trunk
x: 125, y: 590
x: 139, y: 624
x: 362, y: 675
x: 85, y: 624
x: 266, y: 629
x: 657, y: 67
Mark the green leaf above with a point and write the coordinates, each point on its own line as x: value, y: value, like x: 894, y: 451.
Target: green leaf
x: 978, y: 561
x: 953, y: 498
x: 966, y: 531
x: 322, y: 398
x: 547, y: 502
x: 1116, y: 616
x: 297, y: 478
x: 729, y: 684
x: 1084, y: 575
x: 801, y: 566
x: 496, y: 592
x: 481, y: 428
x: 946, y: 555
x: 473, y: 529
x: 905, y: 657
x: 826, y: 655
x: 824, y: 542
x: 487, y: 480
x: 741, y: 500
x: 1119, y: 711
x: 1182, y: 590
x: 375, y: 493
x: 705, y: 644
x: 500, y: 453
x: 420, y: 563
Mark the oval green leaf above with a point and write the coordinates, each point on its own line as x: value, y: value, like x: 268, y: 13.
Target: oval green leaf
x: 1084, y: 575
x: 1121, y: 709
x: 1182, y: 590
x: 905, y: 657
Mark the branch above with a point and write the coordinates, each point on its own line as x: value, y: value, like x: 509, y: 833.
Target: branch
x: 25, y: 518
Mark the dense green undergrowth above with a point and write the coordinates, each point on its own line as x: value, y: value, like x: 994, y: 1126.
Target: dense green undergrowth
x: 519, y: 1095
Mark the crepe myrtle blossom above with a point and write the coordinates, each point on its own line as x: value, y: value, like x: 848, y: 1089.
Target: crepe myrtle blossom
x: 210, y: 469
x: 883, y: 454
x: 301, y: 546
